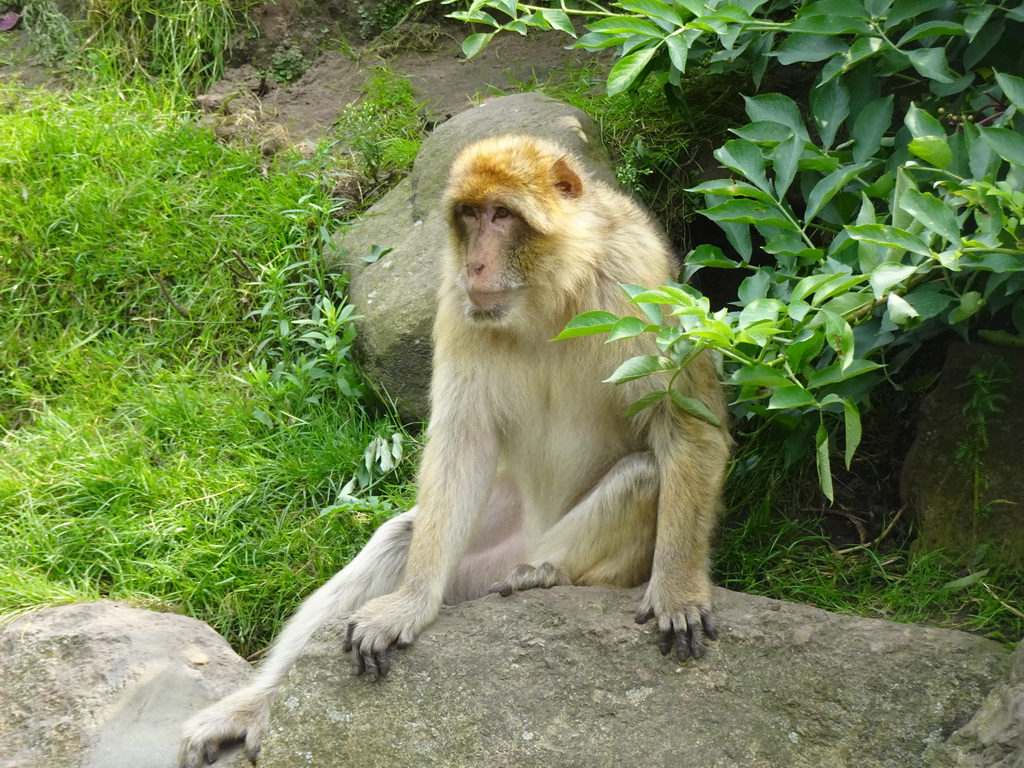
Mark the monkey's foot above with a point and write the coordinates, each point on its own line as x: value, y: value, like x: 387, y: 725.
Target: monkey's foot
x: 543, y: 576
x: 685, y: 625
x: 382, y: 625
x: 241, y: 717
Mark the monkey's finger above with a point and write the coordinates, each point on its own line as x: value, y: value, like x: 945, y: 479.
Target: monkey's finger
x: 347, y: 645
x: 369, y: 663
x: 644, y: 615
x: 358, y: 663
x: 708, y: 621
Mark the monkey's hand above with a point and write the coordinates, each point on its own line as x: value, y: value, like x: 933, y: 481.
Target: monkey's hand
x: 684, y: 620
x: 381, y: 626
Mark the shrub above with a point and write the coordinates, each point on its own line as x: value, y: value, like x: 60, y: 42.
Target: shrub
x: 879, y: 208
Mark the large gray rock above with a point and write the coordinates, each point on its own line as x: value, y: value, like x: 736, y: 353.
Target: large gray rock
x: 396, y: 294
x: 995, y: 736
x: 565, y: 678
x: 938, y: 480
x: 103, y: 685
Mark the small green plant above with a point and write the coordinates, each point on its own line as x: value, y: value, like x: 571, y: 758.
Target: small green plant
x: 985, y: 385
x: 385, y: 128
x: 288, y: 64
x: 382, y: 16
x: 51, y: 32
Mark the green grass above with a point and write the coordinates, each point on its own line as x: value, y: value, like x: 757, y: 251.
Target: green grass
x: 180, y: 425
x: 137, y: 459
x: 773, y: 544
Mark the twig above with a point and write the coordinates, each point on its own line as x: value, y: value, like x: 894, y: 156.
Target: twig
x: 1003, y: 603
x: 877, y: 541
x: 167, y: 295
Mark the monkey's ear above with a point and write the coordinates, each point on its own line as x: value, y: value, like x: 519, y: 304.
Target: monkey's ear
x: 567, y: 182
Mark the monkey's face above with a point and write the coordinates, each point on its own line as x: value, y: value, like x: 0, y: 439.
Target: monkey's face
x: 492, y: 249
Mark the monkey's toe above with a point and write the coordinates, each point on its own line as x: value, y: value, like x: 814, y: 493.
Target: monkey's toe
x: 543, y: 576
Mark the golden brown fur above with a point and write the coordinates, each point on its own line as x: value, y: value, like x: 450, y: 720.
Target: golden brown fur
x: 530, y: 476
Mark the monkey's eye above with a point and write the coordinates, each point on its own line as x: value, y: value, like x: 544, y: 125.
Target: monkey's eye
x: 468, y: 210
x: 502, y: 213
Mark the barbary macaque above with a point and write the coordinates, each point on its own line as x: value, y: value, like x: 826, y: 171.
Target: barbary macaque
x: 531, y: 476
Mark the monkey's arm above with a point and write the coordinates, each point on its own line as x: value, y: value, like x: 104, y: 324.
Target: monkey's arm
x: 456, y: 476
x: 691, y: 457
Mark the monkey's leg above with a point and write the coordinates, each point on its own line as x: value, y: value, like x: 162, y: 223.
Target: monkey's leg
x: 243, y: 715
x: 608, y: 538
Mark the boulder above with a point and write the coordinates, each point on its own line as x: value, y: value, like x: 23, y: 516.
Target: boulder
x: 395, y: 294
x: 939, y: 480
x: 564, y: 677
x: 103, y: 685
x: 995, y: 736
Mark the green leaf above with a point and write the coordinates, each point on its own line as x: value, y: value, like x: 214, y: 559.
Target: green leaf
x: 558, y: 19
x: 835, y: 373
x: 678, y: 51
x: 695, y: 7
x: 744, y: 157
x: 758, y: 376
x: 645, y: 402
x: 970, y: 303
x: 883, y: 234
x: 908, y: 9
x: 727, y: 188
x: 793, y: 396
x: 932, y: 149
x: 899, y: 309
x: 595, y: 41
x: 929, y: 300
x: 709, y: 256
x: 930, y: 29
x: 829, y: 187
x: 886, y: 275
x: 749, y: 212
x: 626, y: 25
x: 754, y: 287
x: 976, y: 19
x: 760, y: 311
x: 799, y: 353
x: 1013, y: 89
x: 851, y: 416
x: 473, y: 44
x: 588, y: 324
x: 628, y: 327
x: 821, y: 456
x: 922, y: 123
x: 830, y: 106
x: 839, y: 336
x: 779, y: 109
x: 809, y: 48
x: 933, y: 213
x: 638, y: 368
x: 763, y: 132
x: 785, y: 159
x: 870, y: 126
x: 627, y: 69
x: 654, y: 9
x: 695, y: 407
x: 931, y: 63
x: 822, y: 24
x: 1006, y: 143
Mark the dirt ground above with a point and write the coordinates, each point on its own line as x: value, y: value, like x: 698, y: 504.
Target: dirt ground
x: 428, y: 53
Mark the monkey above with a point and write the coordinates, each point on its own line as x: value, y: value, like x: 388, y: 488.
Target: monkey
x: 530, y: 477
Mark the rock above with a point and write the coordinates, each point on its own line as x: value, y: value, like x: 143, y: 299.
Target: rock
x: 396, y: 294
x: 995, y: 736
x: 564, y: 677
x: 103, y: 685
x: 938, y: 481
